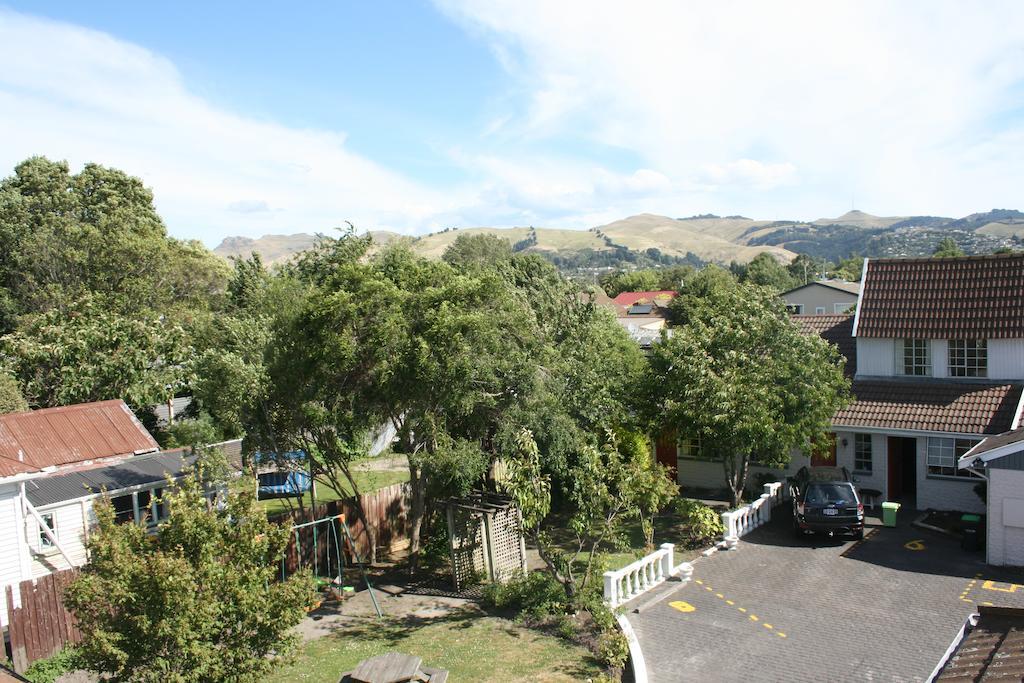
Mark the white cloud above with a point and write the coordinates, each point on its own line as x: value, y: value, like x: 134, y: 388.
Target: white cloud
x: 76, y: 94
x: 904, y: 105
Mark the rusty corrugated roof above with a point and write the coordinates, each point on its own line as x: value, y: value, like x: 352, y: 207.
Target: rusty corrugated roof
x: 66, y: 435
x: 992, y: 651
x: 972, y: 297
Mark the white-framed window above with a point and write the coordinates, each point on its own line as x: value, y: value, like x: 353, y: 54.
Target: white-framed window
x: 50, y: 520
x: 915, y: 357
x: 862, y: 461
x: 968, y: 358
x: 819, y: 310
x: 690, y: 448
x: 795, y: 309
x: 842, y: 308
x: 943, y: 454
x: 142, y: 507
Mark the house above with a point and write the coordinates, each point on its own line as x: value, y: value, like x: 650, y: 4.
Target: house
x: 822, y: 297
x: 1000, y: 461
x: 936, y: 356
x: 661, y: 297
x: 54, y: 463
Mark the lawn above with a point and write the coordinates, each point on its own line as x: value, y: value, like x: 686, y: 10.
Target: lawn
x: 473, y: 647
x: 366, y: 480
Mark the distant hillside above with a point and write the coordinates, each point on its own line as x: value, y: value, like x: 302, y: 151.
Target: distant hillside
x: 649, y: 239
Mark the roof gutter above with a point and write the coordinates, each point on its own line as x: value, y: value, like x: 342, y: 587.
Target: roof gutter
x: 860, y: 295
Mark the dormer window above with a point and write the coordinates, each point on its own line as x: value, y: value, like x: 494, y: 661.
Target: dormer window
x: 916, y: 357
x: 968, y: 358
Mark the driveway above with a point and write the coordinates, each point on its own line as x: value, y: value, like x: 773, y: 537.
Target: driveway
x: 786, y: 609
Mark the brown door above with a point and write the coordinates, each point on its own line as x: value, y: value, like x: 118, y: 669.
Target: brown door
x: 823, y: 454
x: 666, y: 454
x: 894, y: 447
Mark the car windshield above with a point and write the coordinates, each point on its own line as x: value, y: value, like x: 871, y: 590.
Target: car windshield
x: 824, y: 494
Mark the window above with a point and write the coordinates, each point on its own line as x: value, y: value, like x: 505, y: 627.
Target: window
x: 842, y: 308
x: 968, y: 358
x: 943, y: 455
x: 862, y: 453
x: 124, y: 508
x: 916, y: 357
x: 819, y: 310
x: 796, y: 309
x: 51, y: 523
x: 690, y: 448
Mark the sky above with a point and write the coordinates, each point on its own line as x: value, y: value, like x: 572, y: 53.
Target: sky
x: 249, y: 118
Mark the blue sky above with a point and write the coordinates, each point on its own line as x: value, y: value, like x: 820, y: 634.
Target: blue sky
x: 247, y: 119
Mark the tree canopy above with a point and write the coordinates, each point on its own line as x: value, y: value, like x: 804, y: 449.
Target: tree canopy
x: 737, y: 375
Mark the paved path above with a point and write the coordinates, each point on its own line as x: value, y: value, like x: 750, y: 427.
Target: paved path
x: 788, y: 609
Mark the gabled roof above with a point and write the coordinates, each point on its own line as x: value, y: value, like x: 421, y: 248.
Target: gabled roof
x: 630, y: 298
x: 931, y: 406
x: 992, y: 649
x: 972, y: 297
x: 836, y: 329
x: 841, y: 285
x: 51, y: 437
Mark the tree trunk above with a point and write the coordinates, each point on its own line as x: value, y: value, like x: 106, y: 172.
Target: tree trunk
x: 416, y: 514
x: 736, y: 475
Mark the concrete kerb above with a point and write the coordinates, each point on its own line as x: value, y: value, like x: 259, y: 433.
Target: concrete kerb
x: 636, y: 655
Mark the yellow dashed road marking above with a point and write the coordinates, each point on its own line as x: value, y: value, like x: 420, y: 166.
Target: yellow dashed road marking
x: 780, y: 634
x: 699, y: 582
x: 719, y: 595
x: 742, y: 609
x: 687, y: 607
x: 729, y: 602
x: 753, y: 617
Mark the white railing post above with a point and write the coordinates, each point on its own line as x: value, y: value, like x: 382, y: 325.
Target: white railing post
x: 610, y: 592
x: 668, y: 559
x: 766, y: 506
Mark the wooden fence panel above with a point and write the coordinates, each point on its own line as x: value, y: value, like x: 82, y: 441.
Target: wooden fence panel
x: 41, y: 626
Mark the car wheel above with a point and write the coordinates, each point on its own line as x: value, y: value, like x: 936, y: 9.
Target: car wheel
x: 859, y: 536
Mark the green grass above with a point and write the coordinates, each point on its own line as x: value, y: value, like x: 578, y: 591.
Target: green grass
x: 366, y: 480
x: 471, y: 646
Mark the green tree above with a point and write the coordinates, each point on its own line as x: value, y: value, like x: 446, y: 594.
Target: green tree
x: 739, y: 376
x: 608, y: 485
x: 89, y: 352
x: 631, y: 281
x: 849, y: 269
x: 11, y: 400
x: 947, y: 248
x: 767, y: 271
x: 200, y: 601
x: 481, y: 250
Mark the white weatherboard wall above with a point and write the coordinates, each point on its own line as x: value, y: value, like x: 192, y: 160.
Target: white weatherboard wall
x: 1006, y: 358
x: 1006, y: 517
x: 710, y: 475
x: 868, y: 480
x: 943, y: 493
x: 71, y: 520
x: 10, y: 555
x: 875, y: 357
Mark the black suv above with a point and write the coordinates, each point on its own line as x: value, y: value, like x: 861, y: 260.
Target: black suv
x: 825, y: 500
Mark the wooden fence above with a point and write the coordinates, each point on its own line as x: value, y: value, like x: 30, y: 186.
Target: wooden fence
x: 387, y: 510
x: 41, y: 626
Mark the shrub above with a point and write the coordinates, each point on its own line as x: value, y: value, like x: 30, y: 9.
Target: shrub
x: 50, y: 669
x: 612, y: 649
x: 536, y: 594
x: 703, y: 522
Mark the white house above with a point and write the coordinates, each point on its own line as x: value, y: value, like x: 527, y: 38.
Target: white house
x: 936, y: 355
x: 1000, y: 460
x: 53, y: 464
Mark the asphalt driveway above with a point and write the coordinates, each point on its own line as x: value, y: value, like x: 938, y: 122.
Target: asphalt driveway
x: 786, y: 609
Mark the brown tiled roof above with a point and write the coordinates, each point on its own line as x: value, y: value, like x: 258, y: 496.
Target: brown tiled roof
x: 993, y: 442
x: 932, y: 406
x: 993, y: 650
x: 837, y: 329
x: 973, y: 297
x: 37, y: 439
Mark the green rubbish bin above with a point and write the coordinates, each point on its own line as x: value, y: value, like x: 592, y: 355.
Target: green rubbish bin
x: 971, y: 529
x: 889, y: 511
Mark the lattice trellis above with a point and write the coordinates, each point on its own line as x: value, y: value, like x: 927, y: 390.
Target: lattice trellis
x: 485, y: 539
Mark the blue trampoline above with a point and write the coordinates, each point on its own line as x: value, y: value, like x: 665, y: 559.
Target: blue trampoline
x: 281, y: 482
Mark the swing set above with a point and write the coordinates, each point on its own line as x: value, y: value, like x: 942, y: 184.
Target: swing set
x: 333, y: 575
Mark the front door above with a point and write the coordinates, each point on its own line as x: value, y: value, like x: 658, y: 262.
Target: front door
x: 894, y: 448
x: 823, y: 454
x: 666, y: 454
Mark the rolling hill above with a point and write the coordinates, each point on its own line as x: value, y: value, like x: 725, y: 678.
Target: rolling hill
x: 647, y: 239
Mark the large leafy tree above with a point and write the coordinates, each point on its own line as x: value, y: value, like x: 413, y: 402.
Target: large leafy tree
x: 11, y: 400
x: 91, y: 352
x: 200, y: 601
x: 739, y: 376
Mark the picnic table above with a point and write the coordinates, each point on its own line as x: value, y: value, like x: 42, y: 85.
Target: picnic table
x: 394, y: 667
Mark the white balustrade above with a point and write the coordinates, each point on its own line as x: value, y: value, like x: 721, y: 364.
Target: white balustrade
x: 622, y: 585
x: 742, y: 521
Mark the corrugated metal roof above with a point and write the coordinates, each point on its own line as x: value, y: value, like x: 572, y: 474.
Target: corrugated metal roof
x: 34, y: 440
x: 134, y: 472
